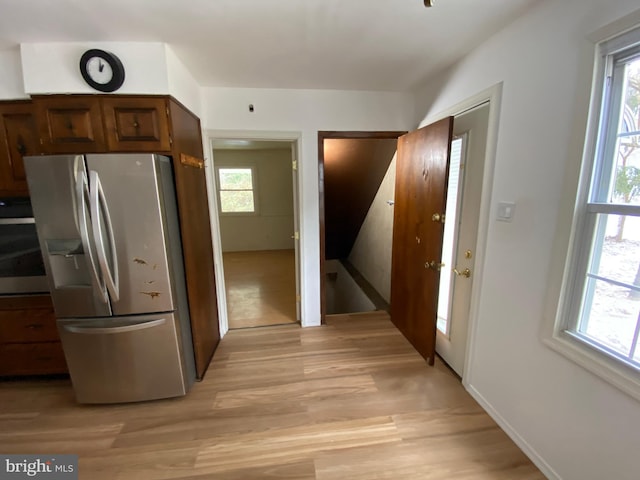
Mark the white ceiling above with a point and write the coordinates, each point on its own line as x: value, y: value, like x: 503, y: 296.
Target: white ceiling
x: 334, y: 44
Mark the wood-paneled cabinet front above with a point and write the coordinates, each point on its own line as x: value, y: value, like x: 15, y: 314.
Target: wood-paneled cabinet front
x: 94, y: 123
x: 70, y: 124
x: 136, y: 124
x: 29, y: 341
x: 18, y: 138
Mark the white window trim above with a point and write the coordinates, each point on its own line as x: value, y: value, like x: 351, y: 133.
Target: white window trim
x: 589, y: 356
x: 254, y: 187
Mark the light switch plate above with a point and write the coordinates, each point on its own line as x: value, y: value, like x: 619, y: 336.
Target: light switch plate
x: 506, y: 210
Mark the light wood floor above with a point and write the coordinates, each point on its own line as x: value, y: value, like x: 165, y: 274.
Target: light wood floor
x: 261, y: 288
x: 347, y: 401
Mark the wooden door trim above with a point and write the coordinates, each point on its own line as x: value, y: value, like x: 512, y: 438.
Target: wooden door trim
x: 334, y: 134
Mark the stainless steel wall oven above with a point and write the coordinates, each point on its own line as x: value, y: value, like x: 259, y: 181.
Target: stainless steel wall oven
x: 21, y: 266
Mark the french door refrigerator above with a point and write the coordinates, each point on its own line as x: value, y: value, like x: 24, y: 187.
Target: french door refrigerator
x: 109, y: 234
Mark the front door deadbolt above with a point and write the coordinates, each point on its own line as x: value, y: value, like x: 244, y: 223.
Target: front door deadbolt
x: 464, y: 273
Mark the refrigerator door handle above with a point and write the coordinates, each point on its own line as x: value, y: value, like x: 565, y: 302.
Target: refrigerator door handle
x: 82, y: 195
x: 99, y: 210
x: 111, y: 330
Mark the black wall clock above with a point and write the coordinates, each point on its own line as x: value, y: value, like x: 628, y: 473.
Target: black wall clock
x: 102, y: 70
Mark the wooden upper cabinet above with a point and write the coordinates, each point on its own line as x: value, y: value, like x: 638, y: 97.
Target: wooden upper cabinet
x: 70, y: 124
x: 136, y: 124
x: 18, y: 138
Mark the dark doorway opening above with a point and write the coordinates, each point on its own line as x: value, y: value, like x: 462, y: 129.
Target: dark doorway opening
x: 351, y: 166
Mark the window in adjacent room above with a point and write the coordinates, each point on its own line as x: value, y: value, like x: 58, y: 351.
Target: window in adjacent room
x: 602, y: 312
x: 236, y: 189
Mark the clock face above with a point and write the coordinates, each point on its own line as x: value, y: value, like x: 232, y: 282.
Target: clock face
x: 102, y: 70
x: 99, y: 70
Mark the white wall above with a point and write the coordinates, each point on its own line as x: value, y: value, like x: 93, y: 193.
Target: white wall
x: 54, y: 67
x: 371, y: 252
x: 306, y: 112
x: 150, y: 68
x: 272, y: 227
x: 11, y: 86
x: 182, y: 85
x: 575, y: 425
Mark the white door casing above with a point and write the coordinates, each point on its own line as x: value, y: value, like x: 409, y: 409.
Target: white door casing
x: 296, y: 226
x: 295, y: 139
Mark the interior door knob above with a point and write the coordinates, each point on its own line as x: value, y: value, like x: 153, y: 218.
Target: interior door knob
x: 433, y: 265
x: 464, y: 273
x: 438, y: 217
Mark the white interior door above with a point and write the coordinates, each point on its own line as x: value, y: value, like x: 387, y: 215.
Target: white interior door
x: 460, y: 237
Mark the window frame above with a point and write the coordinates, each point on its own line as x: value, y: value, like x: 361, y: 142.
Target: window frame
x: 602, y: 128
x: 254, y: 189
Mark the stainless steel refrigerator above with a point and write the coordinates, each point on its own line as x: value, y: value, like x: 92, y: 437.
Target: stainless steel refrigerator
x: 109, y: 234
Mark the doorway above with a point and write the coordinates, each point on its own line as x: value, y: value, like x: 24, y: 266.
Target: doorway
x: 255, y: 184
x: 464, y: 195
x: 440, y: 232
x: 351, y: 168
x: 487, y: 102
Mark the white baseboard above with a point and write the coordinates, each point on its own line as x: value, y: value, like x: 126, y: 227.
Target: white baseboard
x: 528, y: 450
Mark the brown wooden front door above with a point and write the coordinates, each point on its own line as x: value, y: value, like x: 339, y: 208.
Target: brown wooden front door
x: 421, y: 188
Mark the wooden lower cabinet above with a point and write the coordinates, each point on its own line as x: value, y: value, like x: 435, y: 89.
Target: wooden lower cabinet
x: 29, y: 341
